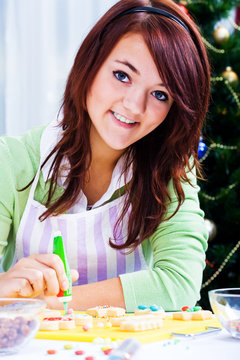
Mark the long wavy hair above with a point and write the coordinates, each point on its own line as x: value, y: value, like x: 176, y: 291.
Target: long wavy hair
x: 163, y: 154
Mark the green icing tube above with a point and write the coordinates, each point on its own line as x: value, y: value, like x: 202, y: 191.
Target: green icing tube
x: 58, y: 249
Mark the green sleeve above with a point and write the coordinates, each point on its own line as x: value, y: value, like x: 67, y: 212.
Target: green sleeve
x: 19, y: 160
x: 178, y: 247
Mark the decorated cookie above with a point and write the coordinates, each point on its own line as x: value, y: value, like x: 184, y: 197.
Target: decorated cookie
x: 67, y: 323
x: 153, y: 309
x: 83, y: 319
x: 195, y: 313
x: 50, y: 323
x: 106, y: 311
x: 141, y: 324
x: 98, y: 311
x: 115, y: 311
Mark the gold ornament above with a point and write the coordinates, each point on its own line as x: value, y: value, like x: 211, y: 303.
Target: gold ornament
x: 220, y: 35
x: 183, y: 2
x: 230, y: 75
x: 211, y: 228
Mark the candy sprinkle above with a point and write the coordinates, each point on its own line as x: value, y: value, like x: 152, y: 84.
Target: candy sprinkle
x: 107, y: 351
x: 197, y: 308
x: 68, y: 347
x: 51, y: 352
x: 79, y: 352
x: 86, y: 327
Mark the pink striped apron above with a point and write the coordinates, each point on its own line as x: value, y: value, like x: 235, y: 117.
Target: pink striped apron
x: 85, y: 235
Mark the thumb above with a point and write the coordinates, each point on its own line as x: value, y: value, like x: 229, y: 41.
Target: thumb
x: 74, y: 274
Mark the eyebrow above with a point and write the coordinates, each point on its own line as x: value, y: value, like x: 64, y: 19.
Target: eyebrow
x: 131, y: 67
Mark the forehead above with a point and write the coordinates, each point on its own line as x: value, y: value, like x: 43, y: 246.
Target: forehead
x: 133, y: 49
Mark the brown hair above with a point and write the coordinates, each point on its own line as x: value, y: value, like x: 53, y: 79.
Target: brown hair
x: 165, y: 152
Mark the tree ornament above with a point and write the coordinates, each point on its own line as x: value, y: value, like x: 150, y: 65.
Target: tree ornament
x: 202, y: 148
x: 230, y: 75
x: 220, y: 35
x: 184, y: 2
x: 211, y: 228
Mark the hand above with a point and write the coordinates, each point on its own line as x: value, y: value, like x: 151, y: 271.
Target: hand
x: 34, y: 275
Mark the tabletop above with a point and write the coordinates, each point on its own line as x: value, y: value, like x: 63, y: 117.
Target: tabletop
x: 219, y: 346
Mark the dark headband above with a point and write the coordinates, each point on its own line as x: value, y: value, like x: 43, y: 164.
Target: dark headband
x: 153, y: 10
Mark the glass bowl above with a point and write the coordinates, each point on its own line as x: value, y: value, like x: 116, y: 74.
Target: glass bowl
x: 225, y: 304
x: 19, y: 322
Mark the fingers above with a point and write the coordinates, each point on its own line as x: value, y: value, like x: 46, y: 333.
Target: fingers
x: 51, y: 281
x: 75, y: 275
x: 36, y: 274
x: 53, y: 262
x: 32, y: 280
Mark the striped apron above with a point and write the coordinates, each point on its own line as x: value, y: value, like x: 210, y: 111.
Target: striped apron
x: 85, y: 235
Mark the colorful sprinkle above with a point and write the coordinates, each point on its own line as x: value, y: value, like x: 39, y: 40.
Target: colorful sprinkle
x: 185, y: 308
x: 86, y: 327
x: 51, y: 352
x: 197, y: 308
x: 142, y: 307
x: 79, y: 352
x: 107, y: 351
x: 89, y: 358
x: 154, y: 308
x: 68, y: 346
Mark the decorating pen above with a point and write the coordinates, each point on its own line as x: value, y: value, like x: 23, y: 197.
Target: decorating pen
x: 58, y: 249
x: 126, y: 350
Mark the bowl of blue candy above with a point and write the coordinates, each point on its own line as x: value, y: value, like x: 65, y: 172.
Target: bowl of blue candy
x: 19, y: 323
x: 225, y: 304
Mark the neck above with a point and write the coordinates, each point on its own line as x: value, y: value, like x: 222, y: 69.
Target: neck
x: 103, y: 156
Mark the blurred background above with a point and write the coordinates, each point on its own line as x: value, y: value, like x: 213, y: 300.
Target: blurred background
x: 38, y: 42
x: 219, y: 146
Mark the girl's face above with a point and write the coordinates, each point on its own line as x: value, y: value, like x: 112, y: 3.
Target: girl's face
x: 127, y: 99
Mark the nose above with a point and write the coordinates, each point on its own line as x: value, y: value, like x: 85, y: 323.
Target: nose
x: 135, y: 101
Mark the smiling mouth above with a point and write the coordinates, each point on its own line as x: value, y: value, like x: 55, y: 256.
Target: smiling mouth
x: 122, y: 118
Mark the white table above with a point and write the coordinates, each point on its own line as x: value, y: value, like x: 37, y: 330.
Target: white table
x: 216, y: 346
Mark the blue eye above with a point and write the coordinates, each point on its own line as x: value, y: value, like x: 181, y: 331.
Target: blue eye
x: 121, y: 76
x: 160, y: 95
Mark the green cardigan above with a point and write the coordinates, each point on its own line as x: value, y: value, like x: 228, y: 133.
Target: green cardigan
x: 175, y: 253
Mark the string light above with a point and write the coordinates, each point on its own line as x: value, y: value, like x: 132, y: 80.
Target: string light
x: 225, y: 261
x: 236, y: 27
x: 219, y: 196
x: 210, y: 46
x: 215, y: 146
x: 226, y: 82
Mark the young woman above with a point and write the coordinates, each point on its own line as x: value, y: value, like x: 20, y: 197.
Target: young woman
x: 115, y: 172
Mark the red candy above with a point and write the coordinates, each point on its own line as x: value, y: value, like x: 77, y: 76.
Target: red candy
x: 107, y: 351
x: 185, y: 308
x: 89, y: 358
x: 85, y: 327
x: 79, y: 352
x: 51, y: 352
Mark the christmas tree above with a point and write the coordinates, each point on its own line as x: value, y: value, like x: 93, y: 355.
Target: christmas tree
x: 219, y: 147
